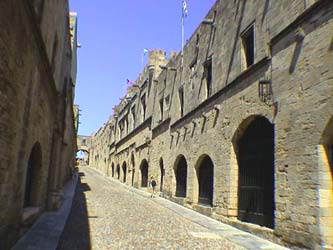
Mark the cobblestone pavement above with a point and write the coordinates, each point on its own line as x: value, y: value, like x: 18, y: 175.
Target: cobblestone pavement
x: 107, y: 215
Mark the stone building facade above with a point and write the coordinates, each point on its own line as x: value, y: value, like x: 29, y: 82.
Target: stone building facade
x: 241, y: 126
x: 37, y: 133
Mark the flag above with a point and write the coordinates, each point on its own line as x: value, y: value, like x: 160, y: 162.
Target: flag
x: 145, y: 51
x: 185, y: 10
x: 129, y: 82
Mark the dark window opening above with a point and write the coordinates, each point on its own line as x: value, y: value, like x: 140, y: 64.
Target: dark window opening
x: 206, y: 181
x: 256, y: 202
x: 181, y: 176
x: 248, y: 45
x: 112, y: 170
x: 181, y: 101
x: 208, y: 71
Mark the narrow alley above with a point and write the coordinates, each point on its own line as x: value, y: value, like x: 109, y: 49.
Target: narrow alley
x: 106, y: 214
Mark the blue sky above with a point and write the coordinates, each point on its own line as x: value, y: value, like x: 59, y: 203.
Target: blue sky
x: 113, y: 35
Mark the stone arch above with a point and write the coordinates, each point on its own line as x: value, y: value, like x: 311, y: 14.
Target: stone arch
x: 144, y: 173
x: 205, y: 174
x: 254, y: 146
x: 162, y: 173
x: 118, y: 171
x: 180, y: 170
x: 112, y: 169
x: 86, y: 156
x: 124, y: 168
x: 33, y: 177
x: 325, y: 161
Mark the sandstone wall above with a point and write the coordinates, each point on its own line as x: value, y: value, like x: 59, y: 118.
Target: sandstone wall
x: 31, y: 97
x: 293, y: 62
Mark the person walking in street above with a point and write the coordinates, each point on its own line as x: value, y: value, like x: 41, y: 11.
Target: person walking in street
x: 153, y: 185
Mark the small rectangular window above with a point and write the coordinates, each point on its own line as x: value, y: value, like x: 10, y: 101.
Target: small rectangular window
x: 208, y: 72
x: 248, y: 46
x: 181, y: 101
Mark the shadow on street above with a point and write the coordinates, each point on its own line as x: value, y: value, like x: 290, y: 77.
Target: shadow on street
x: 76, y: 234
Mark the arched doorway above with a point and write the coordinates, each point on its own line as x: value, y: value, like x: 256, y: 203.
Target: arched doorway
x: 162, y: 173
x: 112, y: 169
x: 144, y: 173
x: 255, y: 155
x: 205, y: 174
x: 118, y: 171
x: 33, y: 176
x: 180, y: 169
x: 133, y: 168
x: 124, y: 167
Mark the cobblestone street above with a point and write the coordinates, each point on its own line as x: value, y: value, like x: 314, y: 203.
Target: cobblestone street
x: 107, y: 215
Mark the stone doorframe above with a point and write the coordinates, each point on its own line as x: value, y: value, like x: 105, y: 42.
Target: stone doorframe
x: 325, y: 187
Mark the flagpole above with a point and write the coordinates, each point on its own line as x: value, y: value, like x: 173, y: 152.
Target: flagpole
x: 182, y: 37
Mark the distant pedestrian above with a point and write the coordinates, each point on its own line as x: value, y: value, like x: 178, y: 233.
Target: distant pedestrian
x: 153, y: 185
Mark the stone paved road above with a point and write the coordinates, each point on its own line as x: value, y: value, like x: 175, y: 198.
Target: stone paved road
x: 107, y: 215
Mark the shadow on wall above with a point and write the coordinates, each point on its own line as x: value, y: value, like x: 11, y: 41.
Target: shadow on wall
x: 76, y: 234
